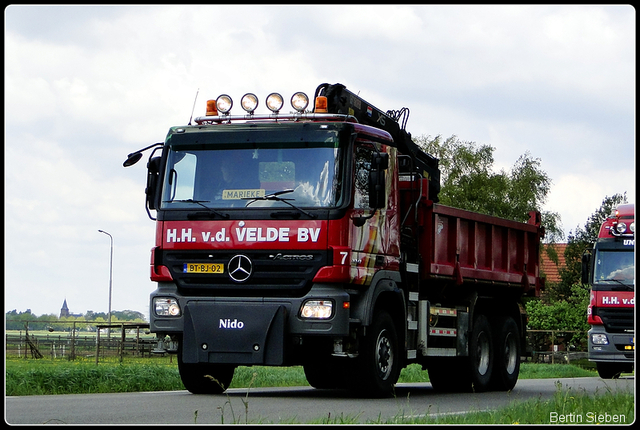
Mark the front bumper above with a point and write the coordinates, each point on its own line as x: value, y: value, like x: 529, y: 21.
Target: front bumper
x: 248, y: 331
x: 620, y: 347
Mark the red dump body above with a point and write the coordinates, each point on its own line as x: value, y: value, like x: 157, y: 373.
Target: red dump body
x: 472, y: 247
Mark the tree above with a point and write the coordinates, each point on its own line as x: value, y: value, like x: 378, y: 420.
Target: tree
x: 582, y: 240
x: 469, y: 181
x: 564, y: 304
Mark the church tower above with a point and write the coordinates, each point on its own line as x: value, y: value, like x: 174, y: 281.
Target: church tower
x: 64, y: 311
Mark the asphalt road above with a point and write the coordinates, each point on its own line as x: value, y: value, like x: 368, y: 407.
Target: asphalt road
x: 279, y: 405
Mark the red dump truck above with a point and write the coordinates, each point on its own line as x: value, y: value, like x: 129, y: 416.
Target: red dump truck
x: 609, y: 269
x: 314, y: 238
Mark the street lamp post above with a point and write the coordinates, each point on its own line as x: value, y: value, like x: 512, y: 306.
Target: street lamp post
x: 110, y: 280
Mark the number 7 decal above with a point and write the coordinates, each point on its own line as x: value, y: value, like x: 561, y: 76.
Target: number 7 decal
x: 344, y: 254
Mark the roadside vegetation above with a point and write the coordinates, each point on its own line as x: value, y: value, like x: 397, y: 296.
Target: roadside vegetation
x: 566, y: 407
x: 42, y: 377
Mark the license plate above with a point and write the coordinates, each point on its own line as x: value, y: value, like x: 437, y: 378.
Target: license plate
x: 203, y: 268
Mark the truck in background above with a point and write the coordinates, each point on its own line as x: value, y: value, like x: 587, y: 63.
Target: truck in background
x: 315, y: 238
x: 609, y: 270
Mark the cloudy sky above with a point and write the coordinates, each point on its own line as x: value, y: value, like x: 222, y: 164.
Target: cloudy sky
x: 85, y: 86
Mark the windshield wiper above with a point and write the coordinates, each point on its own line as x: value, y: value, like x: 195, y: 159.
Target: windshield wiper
x: 276, y: 197
x: 622, y: 286
x: 198, y: 202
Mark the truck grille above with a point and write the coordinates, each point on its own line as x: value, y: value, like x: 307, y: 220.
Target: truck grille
x: 288, y: 274
x: 616, y: 320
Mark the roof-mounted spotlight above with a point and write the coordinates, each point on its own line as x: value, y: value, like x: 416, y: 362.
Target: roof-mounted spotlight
x: 224, y: 104
x: 299, y: 101
x: 274, y: 102
x: 249, y: 103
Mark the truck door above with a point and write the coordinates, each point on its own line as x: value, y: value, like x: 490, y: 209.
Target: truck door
x: 375, y: 244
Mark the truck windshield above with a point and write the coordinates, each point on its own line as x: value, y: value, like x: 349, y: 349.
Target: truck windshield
x: 614, y: 268
x: 233, y: 177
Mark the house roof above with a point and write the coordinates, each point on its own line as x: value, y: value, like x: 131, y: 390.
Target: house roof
x: 548, y: 268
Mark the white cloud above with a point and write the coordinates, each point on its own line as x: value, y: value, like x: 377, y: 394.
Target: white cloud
x: 577, y: 196
x: 86, y: 85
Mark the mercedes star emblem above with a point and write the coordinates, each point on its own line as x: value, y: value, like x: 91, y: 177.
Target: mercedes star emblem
x: 240, y: 268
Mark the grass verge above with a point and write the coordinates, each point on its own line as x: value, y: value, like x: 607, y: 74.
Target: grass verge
x: 37, y: 377
x: 32, y: 377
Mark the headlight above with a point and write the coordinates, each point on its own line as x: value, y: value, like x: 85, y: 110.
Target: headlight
x: 166, y: 307
x: 249, y: 102
x: 599, y: 339
x: 621, y: 227
x: 274, y: 102
x: 318, y: 309
x: 632, y: 227
x: 300, y: 101
x: 224, y: 104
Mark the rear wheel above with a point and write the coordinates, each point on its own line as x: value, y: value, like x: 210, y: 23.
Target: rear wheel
x: 481, y: 354
x: 507, y: 354
x: 449, y: 374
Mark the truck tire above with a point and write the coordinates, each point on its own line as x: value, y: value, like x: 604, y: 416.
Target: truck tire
x: 481, y: 354
x: 378, y: 364
x: 326, y: 372
x: 204, y: 378
x: 611, y: 370
x: 506, y: 367
x: 449, y: 374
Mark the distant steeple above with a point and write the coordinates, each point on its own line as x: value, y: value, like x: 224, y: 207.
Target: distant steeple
x: 64, y: 311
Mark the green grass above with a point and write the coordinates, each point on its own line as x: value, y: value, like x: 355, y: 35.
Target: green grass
x: 46, y: 376
x: 29, y: 377
x: 566, y: 406
x: 32, y: 377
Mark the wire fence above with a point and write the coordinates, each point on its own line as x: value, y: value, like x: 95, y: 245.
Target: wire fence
x: 556, y: 346
x: 84, y: 339
x: 118, y: 341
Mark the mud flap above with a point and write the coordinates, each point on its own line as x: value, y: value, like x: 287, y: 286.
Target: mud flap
x: 227, y: 333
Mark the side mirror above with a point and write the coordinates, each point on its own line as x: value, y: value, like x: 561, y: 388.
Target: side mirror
x: 132, y: 159
x: 377, y: 180
x: 586, y: 260
x: 153, y: 173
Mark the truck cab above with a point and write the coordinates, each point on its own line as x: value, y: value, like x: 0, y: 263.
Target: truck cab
x: 609, y: 269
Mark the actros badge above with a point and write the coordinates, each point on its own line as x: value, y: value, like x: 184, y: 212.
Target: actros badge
x: 240, y: 268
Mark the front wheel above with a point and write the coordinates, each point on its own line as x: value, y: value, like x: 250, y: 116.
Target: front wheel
x: 205, y: 378
x: 325, y: 371
x: 611, y: 370
x: 378, y: 366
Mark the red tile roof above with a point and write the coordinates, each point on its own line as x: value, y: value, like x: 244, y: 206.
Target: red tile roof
x: 548, y: 268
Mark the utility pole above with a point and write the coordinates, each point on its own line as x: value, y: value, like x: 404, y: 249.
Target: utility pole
x: 110, y: 281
